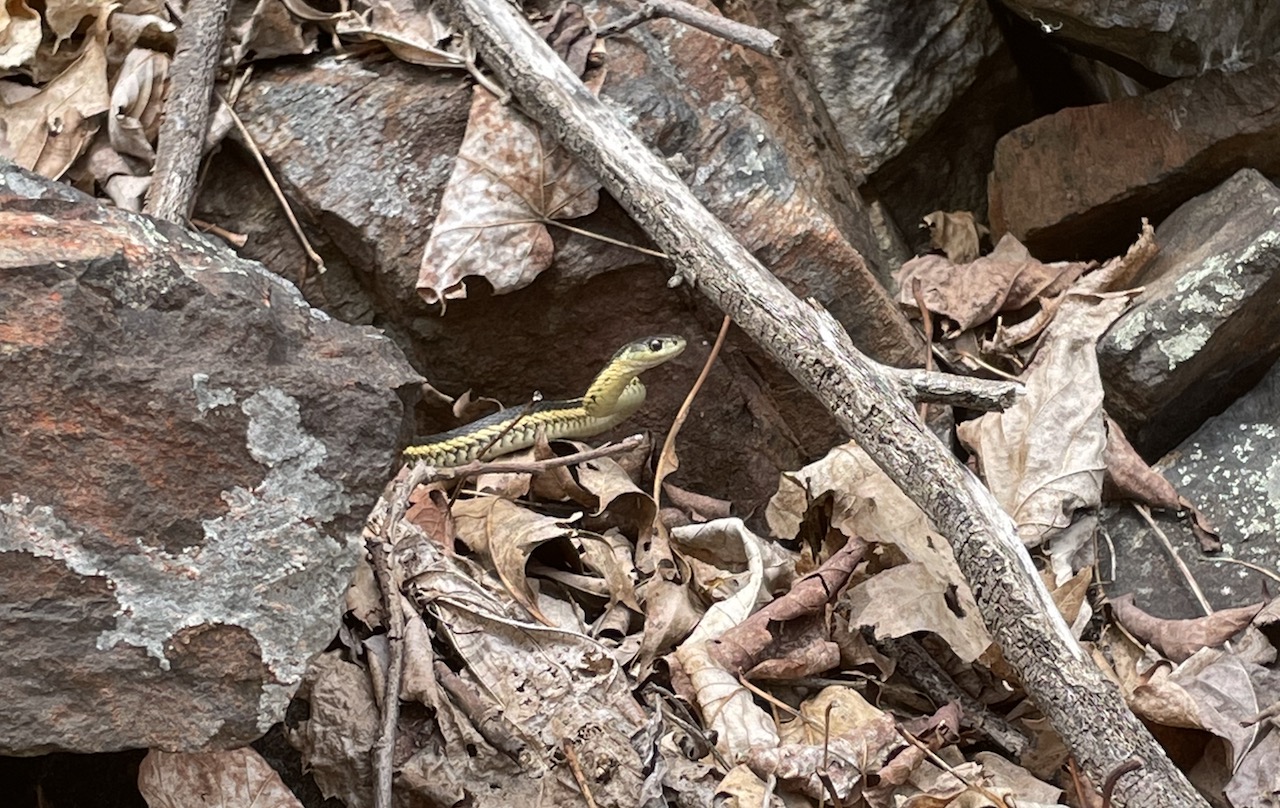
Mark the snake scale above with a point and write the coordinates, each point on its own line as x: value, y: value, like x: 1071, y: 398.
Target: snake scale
x: 614, y: 394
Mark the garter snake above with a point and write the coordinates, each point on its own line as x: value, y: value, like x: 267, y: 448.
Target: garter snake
x: 614, y: 394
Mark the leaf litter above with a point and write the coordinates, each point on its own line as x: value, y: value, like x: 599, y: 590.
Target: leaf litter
x: 570, y: 606
x: 571, y: 617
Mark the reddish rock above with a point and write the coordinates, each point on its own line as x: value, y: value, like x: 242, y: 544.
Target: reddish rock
x: 187, y: 454
x: 1075, y: 184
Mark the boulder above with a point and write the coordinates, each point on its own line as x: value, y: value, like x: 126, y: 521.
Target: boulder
x: 1207, y: 327
x: 189, y: 451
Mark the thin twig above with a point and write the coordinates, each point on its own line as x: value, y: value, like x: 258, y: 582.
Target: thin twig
x: 917, y: 291
x: 668, y: 445
x: 236, y: 240
x: 987, y: 367
x: 249, y: 143
x: 380, y: 553
x: 1177, y: 559
x: 1248, y: 565
x: 942, y: 764
x: 574, y: 766
x: 476, y: 467
x: 757, y: 39
x: 669, y: 704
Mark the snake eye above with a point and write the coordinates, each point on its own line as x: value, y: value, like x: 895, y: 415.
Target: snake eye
x: 655, y: 345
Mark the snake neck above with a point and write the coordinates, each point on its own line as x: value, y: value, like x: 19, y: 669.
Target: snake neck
x: 614, y: 400
x: 613, y: 388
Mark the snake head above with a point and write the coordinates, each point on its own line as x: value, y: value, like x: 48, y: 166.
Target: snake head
x: 648, y: 352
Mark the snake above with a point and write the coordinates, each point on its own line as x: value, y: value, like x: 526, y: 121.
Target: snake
x: 613, y: 396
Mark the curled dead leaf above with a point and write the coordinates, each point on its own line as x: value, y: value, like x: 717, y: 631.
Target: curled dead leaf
x: 972, y: 293
x: 1179, y: 639
x: 958, y: 234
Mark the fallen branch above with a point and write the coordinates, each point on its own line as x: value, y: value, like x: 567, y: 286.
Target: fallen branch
x: 186, y: 111
x: 757, y: 39
x: 1085, y: 707
x: 379, y: 547
x: 925, y: 386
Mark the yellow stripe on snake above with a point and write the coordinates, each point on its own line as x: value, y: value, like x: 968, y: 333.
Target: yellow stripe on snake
x: 613, y: 396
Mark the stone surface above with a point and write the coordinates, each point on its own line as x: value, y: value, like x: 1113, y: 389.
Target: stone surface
x: 946, y: 167
x: 699, y: 102
x: 1207, y: 327
x: 1075, y: 184
x: 187, y: 453
x: 887, y: 70
x: 1170, y: 39
x: 1230, y: 469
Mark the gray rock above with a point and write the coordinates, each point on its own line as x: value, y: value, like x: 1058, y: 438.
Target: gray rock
x: 1230, y: 470
x: 887, y: 70
x: 188, y: 452
x: 1172, y: 39
x: 1208, y: 327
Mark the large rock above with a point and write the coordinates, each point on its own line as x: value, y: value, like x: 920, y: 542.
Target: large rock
x: 188, y: 454
x: 887, y: 70
x: 1229, y: 470
x: 946, y: 168
x: 1170, y: 39
x: 1207, y: 327
x: 1077, y: 183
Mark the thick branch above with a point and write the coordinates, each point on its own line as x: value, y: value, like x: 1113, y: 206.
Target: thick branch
x: 1085, y: 707
x: 186, y: 111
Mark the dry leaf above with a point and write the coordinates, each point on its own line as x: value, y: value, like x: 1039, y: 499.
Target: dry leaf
x: 630, y: 508
x: 340, y: 730
x: 699, y: 507
x: 20, y: 34
x: 508, y: 534
x: 869, y: 505
x: 364, y: 597
x: 958, y: 234
x: 128, y: 29
x: 47, y: 131
x: 970, y: 294
x: 570, y: 34
x: 429, y: 510
x: 1179, y: 639
x: 137, y: 99
x: 510, y: 178
x: 414, y: 35
x: 1043, y: 457
x: 237, y: 777
x: 905, y: 599
x: 1129, y: 477
x: 65, y: 16
x: 728, y: 708
x: 610, y: 555
x: 1119, y: 273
